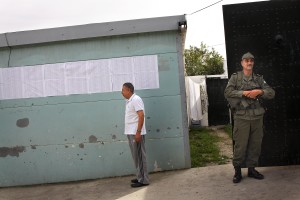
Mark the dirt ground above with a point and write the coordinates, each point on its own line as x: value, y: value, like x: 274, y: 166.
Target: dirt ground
x: 225, y: 142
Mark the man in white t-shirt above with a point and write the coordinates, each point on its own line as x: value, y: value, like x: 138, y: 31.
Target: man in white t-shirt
x: 136, y: 131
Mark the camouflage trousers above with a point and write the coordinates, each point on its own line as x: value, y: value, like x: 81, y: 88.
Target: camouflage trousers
x: 247, y: 137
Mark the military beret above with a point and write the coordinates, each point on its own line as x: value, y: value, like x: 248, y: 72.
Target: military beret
x: 247, y: 55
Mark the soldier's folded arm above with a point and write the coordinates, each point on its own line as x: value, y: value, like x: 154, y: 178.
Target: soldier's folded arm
x: 268, y: 92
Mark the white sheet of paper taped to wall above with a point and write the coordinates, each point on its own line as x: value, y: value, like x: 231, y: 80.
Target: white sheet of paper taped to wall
x: 81, y: 77
x: 54, y: 79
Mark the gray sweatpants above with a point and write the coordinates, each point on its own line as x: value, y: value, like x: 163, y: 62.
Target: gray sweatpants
x: 138, y: 152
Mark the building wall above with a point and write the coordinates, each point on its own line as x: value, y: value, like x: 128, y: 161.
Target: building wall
x: 77, y: 137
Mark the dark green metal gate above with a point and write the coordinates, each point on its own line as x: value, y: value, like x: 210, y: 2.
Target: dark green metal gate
x: 217, y: 105
x: 270, y: 30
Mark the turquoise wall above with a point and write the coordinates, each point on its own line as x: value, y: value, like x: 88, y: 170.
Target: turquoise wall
x: 77, y: 137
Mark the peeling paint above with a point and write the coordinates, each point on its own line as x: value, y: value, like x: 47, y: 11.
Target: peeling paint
x: 114, y: 137
x: 81, y: 145
x: 156, y: 167
x: 33, y: 147
x: 148, y: 117
x: 157, y: 130
x: 169, y: 128
x: 22, y: 123
x: 92, y: 139
x: 11, y: 151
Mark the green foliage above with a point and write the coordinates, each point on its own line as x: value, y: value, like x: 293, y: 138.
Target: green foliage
x: 204, y: 149
x: 202, y: 61
x: 228, y: 130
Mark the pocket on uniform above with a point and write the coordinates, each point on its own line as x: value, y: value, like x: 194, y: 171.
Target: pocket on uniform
x: 259, y: 111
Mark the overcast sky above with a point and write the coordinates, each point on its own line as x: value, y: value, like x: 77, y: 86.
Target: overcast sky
x: 206, y: 25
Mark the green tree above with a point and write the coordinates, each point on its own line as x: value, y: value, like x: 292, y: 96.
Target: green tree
x: 202, y: 61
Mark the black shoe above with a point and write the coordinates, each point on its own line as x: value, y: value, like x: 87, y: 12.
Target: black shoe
x: 134, y: 181
x: 138, y: 184
x: 237, y: 175
x: 255, y: 174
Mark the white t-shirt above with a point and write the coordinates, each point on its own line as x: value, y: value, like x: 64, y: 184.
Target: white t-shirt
x: 133, y: 104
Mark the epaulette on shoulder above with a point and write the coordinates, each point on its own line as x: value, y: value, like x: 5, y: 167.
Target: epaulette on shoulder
x: 234, y: 73
x: 258, y: 75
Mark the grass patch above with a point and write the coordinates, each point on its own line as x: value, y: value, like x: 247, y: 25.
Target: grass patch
x: 204, y: 149
x: 228, y: 130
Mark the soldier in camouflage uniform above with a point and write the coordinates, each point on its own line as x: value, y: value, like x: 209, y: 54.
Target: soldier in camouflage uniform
x: 244, y: 92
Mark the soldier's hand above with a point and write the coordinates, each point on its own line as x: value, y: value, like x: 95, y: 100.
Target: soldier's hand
x: 255, y: 93
x: 247, y: 93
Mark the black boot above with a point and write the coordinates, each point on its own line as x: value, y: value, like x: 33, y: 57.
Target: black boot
x: 237, y: 175
x: 254, y: 174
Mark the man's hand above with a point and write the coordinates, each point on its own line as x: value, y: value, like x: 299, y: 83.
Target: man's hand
x: 253, y: 93
x: 138, y: 137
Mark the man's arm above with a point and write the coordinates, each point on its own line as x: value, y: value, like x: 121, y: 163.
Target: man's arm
x: 268, y: 92
x: 265, y: 92
x: 140, y: 125
x: 253, y: 94
x: 230, y: 90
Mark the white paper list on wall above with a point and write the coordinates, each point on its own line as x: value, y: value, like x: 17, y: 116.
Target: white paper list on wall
x: 81, y: 77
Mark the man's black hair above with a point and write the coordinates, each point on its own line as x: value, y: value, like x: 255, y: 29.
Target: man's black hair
x: 129, y: 86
